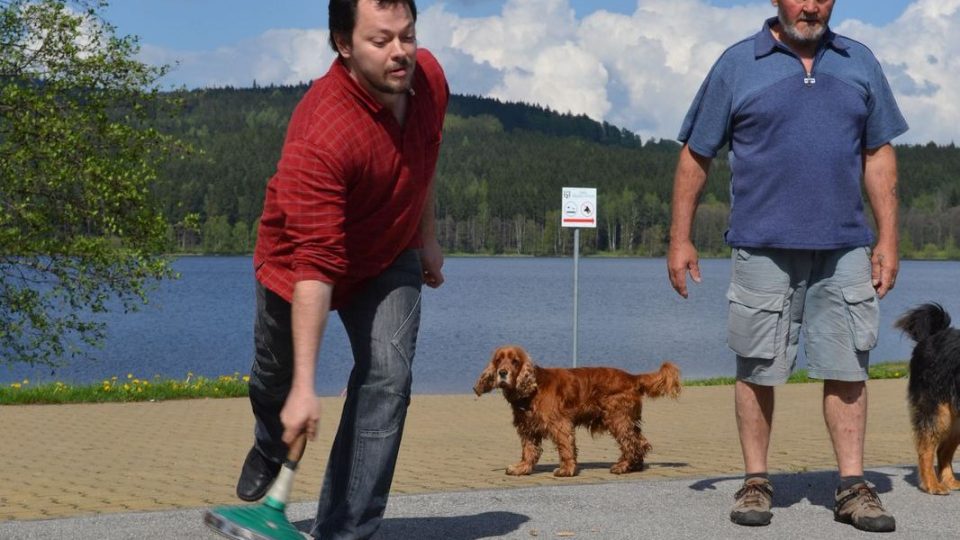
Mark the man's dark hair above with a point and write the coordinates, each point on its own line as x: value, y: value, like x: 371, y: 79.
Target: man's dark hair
x: 342, y: 16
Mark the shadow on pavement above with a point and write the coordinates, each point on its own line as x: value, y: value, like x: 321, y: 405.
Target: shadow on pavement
x: 485, y: 525
x: 548, y: 468
x: 818, y: 487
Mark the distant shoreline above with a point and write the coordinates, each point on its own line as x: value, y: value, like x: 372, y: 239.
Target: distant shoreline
x: 132, y: 390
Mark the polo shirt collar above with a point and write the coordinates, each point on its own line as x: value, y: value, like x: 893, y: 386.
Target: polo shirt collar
x: 765, y: 43
x: 342, y: 74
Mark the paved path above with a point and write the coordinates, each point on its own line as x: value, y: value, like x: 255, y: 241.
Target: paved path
x: 111, y: 461
x: 636, y: 509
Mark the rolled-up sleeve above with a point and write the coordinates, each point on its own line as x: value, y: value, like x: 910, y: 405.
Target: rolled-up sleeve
x: 311, y: 194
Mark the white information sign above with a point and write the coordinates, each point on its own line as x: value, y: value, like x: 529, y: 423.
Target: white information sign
x: 579, y: 207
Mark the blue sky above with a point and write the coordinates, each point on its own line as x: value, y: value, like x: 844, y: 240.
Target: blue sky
x: 635, y: 63
x: 207, y: 24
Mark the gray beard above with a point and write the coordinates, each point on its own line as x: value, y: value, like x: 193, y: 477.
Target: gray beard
x: 798, y: 36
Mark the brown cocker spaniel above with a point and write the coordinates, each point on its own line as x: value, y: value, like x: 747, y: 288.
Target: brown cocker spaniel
x: 553, y: 402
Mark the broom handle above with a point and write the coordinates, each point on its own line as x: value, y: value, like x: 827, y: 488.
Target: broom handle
x: 295, y: 451
x: 280, y: 490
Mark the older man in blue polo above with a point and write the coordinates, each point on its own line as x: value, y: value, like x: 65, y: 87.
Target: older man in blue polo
x: 807, y: 115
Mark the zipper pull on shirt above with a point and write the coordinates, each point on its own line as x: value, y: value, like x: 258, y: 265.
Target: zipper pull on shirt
x: 809, y: 79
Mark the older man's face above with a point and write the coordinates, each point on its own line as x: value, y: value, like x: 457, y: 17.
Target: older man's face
x: 804, y: 21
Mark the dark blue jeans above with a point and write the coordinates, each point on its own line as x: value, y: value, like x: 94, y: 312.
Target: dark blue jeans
x: 382, y: 322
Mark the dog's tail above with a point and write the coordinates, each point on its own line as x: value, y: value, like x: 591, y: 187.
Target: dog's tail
x: 924, y: 321
x: 665, y: 382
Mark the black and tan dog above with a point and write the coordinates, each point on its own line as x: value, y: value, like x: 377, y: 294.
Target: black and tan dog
x: 934, y: 394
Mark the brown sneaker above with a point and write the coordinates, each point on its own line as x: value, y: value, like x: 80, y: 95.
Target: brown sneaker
x: 752, y: 507
x: 860, y: 507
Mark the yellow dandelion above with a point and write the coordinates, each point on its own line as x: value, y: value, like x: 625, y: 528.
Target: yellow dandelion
x: 126, y: 387
x: 15, y: 385
x: 246, y: 378
x: 129, y: 375
x: 26, y: 381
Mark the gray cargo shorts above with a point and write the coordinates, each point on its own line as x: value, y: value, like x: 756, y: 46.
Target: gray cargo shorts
x: 774, y: 293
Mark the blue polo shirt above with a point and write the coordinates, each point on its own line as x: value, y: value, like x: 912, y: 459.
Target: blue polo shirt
x: 796, y: 139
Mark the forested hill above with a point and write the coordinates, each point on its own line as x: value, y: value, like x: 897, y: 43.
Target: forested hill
x: 520, y: 116
x: 501, y: 169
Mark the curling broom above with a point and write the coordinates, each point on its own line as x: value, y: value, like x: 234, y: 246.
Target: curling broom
x: 267, y: 520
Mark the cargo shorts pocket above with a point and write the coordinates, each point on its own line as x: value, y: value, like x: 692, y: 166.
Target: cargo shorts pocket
x: 753, y: 321
x: 863, y: 312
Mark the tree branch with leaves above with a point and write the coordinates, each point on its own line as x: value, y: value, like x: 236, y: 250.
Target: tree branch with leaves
x: 80, y: 233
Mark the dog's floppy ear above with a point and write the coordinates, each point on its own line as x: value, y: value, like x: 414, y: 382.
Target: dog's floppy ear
x: 488, y: 379
x: 526, y: 383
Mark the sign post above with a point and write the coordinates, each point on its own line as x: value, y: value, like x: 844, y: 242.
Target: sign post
x: 579, y: 210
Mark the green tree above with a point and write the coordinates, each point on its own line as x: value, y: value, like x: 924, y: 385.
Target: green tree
x: 240, y: 242
x: 217, y: 235
x: 79, y: 231
x: 187, y: 230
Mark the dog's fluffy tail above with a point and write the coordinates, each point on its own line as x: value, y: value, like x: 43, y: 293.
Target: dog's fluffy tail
x: 924, y: 321
x: 665, y: 382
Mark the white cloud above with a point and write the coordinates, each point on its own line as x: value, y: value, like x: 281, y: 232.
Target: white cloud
x: 637, y: 70
x: 659, y: 55
x: 276, y: 56
x: 920, y: 54
x: 517, y: 37
x: 529, y: 53
x: 564, y: 78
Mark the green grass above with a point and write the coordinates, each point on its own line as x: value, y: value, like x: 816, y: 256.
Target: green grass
x: 128, y: 389
x: 131, y: 389
x: 886, y: 370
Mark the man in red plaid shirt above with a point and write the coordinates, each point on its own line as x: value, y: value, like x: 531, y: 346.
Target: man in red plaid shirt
x: 348, y: 224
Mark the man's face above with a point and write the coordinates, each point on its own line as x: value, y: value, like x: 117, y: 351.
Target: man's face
x: 804, y: 21
x: 382, y: 53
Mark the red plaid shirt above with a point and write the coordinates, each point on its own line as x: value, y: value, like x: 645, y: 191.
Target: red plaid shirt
x: 351, y: 184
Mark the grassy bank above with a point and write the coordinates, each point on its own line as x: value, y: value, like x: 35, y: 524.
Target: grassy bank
x: 124, y: 389
x: 887, y: 370
x: 130, y: 388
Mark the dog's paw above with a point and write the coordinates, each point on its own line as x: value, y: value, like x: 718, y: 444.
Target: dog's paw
x: 519, y: 469
x: 565, y: 471
x: 948, y: 480
x: 935, y: 489
x: 624, y: 467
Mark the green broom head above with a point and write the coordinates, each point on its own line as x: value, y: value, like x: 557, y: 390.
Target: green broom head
x: 259, y: 522
x: 266, y: 521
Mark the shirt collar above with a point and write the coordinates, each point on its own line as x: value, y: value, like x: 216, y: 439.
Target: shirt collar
x: 341, y: 73
x: 765, y: 43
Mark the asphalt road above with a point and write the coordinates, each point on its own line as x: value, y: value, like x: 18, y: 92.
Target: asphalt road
x: 662, y: 509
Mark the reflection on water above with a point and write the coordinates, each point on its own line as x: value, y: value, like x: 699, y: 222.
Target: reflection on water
x: 629, y: 318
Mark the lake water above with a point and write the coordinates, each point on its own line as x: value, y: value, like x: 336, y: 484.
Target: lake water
x: 630, y: 317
